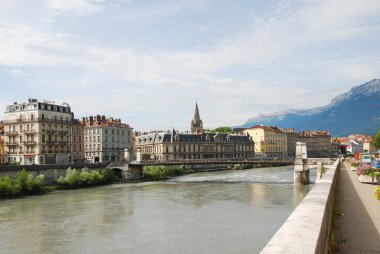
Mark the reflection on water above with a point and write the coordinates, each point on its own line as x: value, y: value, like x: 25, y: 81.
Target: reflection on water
x: 219, y: 212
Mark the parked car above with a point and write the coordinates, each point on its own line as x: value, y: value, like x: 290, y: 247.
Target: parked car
x: 376, y: 163
x: 366, y: 158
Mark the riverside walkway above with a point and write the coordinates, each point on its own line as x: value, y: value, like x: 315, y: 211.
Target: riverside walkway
x: 357, y: 215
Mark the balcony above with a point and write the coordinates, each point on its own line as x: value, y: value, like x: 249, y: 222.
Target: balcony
x: 20, y: 120
x: 11, y: 133
x: 63, y: 133
x: 30, y: 131
x: 51, y: 142
x: 11, y: 144
x: 48, y: 120
x: 51, y: 131
x: 30, y: 142
x: 15, y: 152
x: 43, y: 151
x: 62, y: 143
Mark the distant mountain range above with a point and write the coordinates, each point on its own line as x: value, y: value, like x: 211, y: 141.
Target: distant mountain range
x: 357, y: 111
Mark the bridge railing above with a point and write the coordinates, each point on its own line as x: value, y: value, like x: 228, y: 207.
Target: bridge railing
x: 215, y: 160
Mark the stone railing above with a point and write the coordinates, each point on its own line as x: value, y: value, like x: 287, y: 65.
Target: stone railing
x: 307, y: 229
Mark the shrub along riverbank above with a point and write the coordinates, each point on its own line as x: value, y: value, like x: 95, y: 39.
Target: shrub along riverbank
x: 75, y: 179
x: 156, y: 173
x: 24, y: 184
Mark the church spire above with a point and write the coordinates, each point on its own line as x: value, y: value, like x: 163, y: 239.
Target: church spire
x: 196, y: 123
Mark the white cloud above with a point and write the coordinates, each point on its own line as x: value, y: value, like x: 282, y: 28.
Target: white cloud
x: 74, y: 7
x: 283, y: 50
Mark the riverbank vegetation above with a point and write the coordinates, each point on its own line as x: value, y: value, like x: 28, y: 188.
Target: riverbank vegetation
x: 157, y: 173
x: 25, y: 184
x: 22, y: 184
x: 75, y: 179
x: 241, y: 166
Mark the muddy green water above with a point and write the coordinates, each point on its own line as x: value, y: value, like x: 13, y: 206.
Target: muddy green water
x: 219, y: 212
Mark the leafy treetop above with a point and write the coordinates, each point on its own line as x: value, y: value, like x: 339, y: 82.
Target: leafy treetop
x: 376, y: 140
x: 224, y: 129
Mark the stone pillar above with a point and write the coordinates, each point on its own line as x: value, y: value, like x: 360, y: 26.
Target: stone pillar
x: 133, y: 173
x: 319, y: 169
x: 127, y: 155
x: 138, y: 155
x: 301, y: 170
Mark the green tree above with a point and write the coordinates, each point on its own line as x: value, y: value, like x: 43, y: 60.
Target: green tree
x: 376, y: 140
x: 223, y: 129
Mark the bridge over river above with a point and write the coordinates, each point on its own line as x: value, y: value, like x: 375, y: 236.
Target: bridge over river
x: 133, y: 170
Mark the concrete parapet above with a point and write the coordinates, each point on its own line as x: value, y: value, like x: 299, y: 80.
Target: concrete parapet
x: 307, y: 228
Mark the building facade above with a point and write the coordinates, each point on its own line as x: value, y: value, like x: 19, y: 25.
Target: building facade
x: 270, y: 141
x: 291, y: 138
x: 2, y: 153
x: 38, y: 132
x: 318, y: 143
x: 77, y: 141
x: 195, y: 145
x: 174, y: 146
x: 106, y: 139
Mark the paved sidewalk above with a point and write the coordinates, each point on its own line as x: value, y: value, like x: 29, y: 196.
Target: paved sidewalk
x: 358, y: 221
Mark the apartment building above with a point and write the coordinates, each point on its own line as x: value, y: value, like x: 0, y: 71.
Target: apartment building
x: 38, y: 132
x: 318, y: 142
x: 292, y: 138
x: 1, y: 142
x: 77, y: 141
x: 270, y: 141
x: 106, y: 138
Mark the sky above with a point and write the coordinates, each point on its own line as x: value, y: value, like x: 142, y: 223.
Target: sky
x: 148, y: 62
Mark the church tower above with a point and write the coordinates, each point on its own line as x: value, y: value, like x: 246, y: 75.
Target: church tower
x: 196, y: 123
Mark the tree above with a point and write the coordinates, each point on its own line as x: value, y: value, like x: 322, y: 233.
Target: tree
x: 223, y: 129
x: 376, y: 140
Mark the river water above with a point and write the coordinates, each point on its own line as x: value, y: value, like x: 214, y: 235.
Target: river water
x: 217, y: 212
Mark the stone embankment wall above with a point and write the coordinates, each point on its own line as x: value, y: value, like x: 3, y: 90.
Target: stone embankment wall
x: 307, y: 229
x: 51, y: 172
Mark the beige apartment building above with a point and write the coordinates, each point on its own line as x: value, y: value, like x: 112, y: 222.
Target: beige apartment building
x: 77, y: 141
x: 106, y: 139
x: 270, y: 141
x: 38, y: 132
x: 318, y: 142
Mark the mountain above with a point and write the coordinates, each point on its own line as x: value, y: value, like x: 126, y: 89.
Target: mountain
x: 357, y: 111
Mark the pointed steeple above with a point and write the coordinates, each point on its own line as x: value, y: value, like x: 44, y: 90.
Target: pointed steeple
x: 196, y: 113
x: 196, y: 123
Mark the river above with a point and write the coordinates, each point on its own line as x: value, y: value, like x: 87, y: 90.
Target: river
x: 215, y: 212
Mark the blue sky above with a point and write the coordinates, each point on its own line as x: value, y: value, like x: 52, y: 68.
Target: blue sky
x: 148, y: 62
